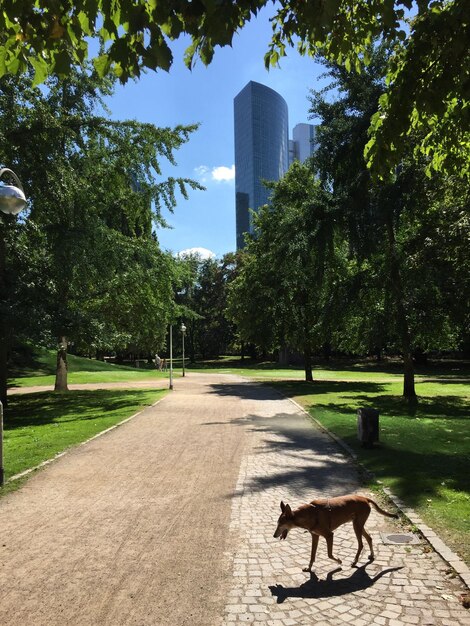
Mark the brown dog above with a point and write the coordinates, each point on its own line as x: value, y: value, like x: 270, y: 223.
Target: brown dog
x: 322, y: 517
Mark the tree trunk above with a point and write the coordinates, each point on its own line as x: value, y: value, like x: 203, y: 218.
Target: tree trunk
x: 61, y: 371
x: 3, y: 363
x: 283, y: 358
x: 308, y: 364
x: 192, y: 352
x: 409, y: 377
x: 3, y: 325
x: 327, y: 351
x: 402, y: 320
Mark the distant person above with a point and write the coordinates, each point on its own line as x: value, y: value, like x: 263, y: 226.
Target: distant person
x: 164, y: 367
x: 158, y: 362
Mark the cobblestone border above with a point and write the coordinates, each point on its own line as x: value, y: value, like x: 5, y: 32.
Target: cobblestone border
x: 457, y: 564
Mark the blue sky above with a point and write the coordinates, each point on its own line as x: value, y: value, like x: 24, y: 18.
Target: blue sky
x: 205, y: 96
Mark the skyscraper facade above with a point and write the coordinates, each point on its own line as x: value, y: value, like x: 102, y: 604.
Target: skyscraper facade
x: 261, y: 149
x: 302, y: 145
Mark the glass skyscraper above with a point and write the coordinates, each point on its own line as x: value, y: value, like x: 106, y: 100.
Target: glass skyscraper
x: 302, y: 145
x: 261, y: 149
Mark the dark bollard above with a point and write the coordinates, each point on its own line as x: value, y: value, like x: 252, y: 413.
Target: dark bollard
x: 368, y: 427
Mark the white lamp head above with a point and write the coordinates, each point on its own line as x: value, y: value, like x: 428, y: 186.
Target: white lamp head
x: 12, y: 198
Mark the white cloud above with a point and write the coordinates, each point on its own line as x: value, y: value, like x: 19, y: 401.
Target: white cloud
x: 223, y: 173
x: 219, y: 174
x: 203, y: 253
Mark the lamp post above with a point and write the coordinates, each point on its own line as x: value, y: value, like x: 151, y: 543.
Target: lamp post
x: 183, y: 332
x: 12, y: 201
x: 171, y: 356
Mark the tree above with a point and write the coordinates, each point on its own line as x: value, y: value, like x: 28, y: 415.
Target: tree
x: 252, y: 303
x: 202, y: 300
x: 390, y: 287
x: 428, y: 86
x: 214, y: 332
x: 95, y: 196
x: 285, y: 291
x: 366, y: 210
x: 428, y: 94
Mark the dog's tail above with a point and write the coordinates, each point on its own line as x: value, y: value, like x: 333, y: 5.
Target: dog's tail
x: 377, y: 508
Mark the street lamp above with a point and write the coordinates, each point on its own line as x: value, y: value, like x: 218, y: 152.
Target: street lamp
x: 171, y: 356
x: 12, y: 198
x: 183, y: 332
x: 12, y: 201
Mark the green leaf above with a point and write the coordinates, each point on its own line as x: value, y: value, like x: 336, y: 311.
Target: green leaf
x: 189, y: 54
x: 102, y: 64
x: 40, y: 70
x: 159, y: 55
x: 13, y: 65
x: 84, y: 22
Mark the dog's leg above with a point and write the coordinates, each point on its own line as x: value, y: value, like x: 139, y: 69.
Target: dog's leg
x: 369, y: 541
x: 360, y: 532
x: 329, y: 545
x: 315, y: 539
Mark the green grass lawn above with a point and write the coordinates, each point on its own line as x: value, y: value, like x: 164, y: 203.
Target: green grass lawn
x: 40, y: 425
x: 424, y: 449
x: 337, y: 370
x: 39, y: 370
x: 270, y: 371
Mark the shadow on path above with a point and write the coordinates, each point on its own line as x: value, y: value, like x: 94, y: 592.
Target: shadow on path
x: 249, y: 390
x: 310, y: 459
x: 316, y: 588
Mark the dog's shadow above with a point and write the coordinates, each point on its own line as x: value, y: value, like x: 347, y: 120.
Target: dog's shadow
x: 316, y: 588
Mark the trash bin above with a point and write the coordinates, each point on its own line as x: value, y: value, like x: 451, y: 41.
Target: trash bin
x: 368, y: 426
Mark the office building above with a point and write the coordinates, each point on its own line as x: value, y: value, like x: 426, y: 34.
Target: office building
x: 303, y: 143
x: 263, y: 151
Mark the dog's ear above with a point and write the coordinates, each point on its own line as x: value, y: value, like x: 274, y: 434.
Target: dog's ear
x: 285, y: 508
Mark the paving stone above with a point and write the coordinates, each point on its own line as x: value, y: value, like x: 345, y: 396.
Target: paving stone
x: 291, y: 460
x: 410, y: 619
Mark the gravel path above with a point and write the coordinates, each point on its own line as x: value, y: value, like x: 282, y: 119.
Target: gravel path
x: 131, y: 528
